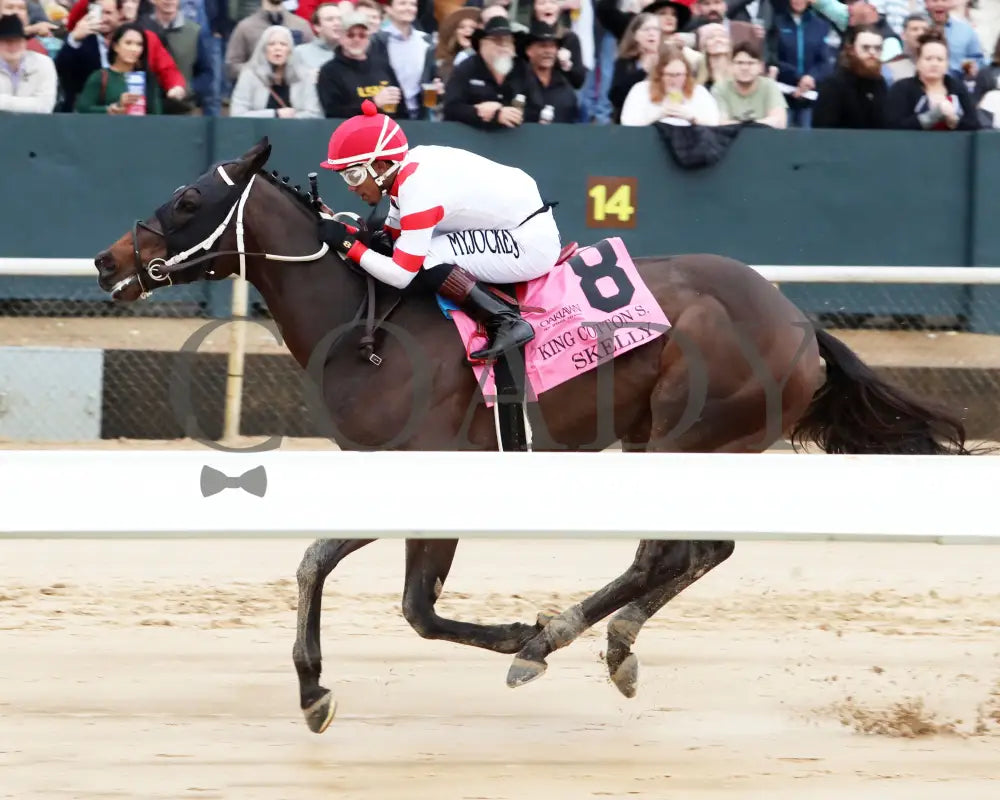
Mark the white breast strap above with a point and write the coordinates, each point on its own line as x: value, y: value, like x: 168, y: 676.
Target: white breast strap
x: 239, y: 228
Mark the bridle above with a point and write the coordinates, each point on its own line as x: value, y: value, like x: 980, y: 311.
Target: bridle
x: 150, y: 270
x: 159, y: 270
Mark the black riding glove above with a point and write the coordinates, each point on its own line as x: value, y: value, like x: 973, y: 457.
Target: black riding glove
x: 335, y: 234
x: 382, y: 243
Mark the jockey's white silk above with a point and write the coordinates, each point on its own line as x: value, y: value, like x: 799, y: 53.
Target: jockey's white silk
x: 450, y: 206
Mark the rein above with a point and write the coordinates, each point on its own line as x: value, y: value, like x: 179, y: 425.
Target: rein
x: 159, y: 270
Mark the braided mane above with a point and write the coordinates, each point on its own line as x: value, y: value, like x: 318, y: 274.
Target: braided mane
x: 297, y: 192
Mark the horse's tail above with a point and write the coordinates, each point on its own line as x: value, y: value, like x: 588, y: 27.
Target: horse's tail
x: 855, y: 411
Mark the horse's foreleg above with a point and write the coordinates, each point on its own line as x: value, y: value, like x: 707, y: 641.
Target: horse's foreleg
x: 655, y: 562
x: 320, y: 558
x: 624, y: 627
x: 428, y: 562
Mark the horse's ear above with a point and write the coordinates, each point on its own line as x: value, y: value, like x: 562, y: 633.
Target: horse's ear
x: 256, y: 157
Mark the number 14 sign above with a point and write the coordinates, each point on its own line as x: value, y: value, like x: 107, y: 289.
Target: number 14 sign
x: 611, y: 202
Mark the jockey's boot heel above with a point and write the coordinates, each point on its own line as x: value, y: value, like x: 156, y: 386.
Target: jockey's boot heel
x: 504, y: 326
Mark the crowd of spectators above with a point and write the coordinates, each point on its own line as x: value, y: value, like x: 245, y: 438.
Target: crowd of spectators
x: 919, y: 64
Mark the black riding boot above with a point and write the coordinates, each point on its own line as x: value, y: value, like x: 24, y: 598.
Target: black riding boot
x: 505, y: 328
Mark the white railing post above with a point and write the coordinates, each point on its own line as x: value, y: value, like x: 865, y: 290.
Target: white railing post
x: 236, y: 361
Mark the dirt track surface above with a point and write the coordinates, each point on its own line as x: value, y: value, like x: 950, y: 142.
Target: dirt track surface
x: 163, y: 670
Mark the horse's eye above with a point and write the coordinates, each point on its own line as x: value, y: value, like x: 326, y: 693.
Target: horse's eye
x: 187, y: 205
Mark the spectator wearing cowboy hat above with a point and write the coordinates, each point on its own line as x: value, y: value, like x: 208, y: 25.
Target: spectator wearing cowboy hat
x: 569, y: 57
x: 545, y: 84
x: 678, y: 12
x: 27, y: 79
x: 482, y: 88
x: 674, y: 17
x: 33, y: 31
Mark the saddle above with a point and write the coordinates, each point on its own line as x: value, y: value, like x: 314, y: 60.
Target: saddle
x: 510, y: 380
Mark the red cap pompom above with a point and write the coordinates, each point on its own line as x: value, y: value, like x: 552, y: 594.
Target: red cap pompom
x: 368, y: 108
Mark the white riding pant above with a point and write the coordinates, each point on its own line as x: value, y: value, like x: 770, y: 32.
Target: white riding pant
x: 500, y: 256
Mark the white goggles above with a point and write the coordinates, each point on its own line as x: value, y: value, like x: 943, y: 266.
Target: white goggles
x: 356, y: 174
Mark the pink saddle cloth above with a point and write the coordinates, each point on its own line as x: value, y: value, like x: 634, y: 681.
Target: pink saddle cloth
x: 586, y: 310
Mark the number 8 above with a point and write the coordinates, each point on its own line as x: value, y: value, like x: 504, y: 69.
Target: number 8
x: 607, y: 267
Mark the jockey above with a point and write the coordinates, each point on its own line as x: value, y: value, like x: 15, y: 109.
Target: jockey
x: 455, y: 218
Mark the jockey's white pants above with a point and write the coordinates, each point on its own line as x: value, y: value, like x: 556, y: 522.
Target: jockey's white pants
x: 501, y: 256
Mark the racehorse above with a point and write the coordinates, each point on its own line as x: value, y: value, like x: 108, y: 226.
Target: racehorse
x: 735, y: 343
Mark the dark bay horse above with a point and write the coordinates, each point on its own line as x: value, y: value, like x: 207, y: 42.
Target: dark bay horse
x: 740, y: 368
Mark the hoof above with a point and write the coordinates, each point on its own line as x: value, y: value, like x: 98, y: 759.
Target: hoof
x: 627, y: 675
x: 320, y: 714
x: 543, y: 619
x: 523, y: 671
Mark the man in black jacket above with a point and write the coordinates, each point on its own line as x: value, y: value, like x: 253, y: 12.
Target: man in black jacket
x: 545, y: 85
x: 351, y: 76
x: 854, y: 95
x: 481, y: 90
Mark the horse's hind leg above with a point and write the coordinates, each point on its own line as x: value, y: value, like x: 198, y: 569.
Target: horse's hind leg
x: 732, y: 418
x: 320, y: 558
x: 623, y: 666
x: 428, y: 562
x: 655, y: 563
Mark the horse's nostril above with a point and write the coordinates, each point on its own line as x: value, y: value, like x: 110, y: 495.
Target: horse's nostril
x: 104, y: 262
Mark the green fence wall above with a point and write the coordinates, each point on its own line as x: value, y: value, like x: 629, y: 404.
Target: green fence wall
x: 73, y: 184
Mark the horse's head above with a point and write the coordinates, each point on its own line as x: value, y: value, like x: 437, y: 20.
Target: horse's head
x: 177, y: 244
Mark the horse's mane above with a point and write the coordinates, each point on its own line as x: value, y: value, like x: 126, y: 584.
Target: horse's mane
x: 309, y: 203
x: 306, y: 201
x: 296, y: 192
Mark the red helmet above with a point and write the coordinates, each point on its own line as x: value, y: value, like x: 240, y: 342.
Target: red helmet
x: 365, y: 138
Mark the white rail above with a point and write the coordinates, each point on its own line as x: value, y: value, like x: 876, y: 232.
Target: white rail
x: 48, y: 267
x: 873, y: 274
x: 82, y: 267
x: 770, y: 496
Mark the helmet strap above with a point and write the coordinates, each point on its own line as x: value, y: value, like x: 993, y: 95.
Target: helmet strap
x: 387, y: 178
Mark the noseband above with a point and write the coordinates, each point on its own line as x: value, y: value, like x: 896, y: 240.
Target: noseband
x: 152, y: 270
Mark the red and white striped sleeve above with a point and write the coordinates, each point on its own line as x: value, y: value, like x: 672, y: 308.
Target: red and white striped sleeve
x: 391, y: 225
x: 418, y: 216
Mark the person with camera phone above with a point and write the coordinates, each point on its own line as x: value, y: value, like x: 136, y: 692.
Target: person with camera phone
x: 124, y: 87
